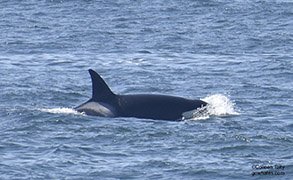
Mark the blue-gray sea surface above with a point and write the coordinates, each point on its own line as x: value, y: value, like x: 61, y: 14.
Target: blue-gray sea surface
x: 236, y: 54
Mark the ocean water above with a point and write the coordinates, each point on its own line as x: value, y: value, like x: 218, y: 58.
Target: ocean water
x: 236, y: 55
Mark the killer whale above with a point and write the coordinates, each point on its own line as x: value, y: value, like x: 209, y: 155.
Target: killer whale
x: 148, y: 106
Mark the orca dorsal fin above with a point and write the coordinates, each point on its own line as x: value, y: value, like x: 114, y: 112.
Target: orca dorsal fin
x: 100, y: 90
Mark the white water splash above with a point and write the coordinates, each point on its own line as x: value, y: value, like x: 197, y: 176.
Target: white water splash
x: 60, y: 111
x: 218, y: 105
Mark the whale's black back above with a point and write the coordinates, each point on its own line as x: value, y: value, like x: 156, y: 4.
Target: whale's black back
x: 152, y: 106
